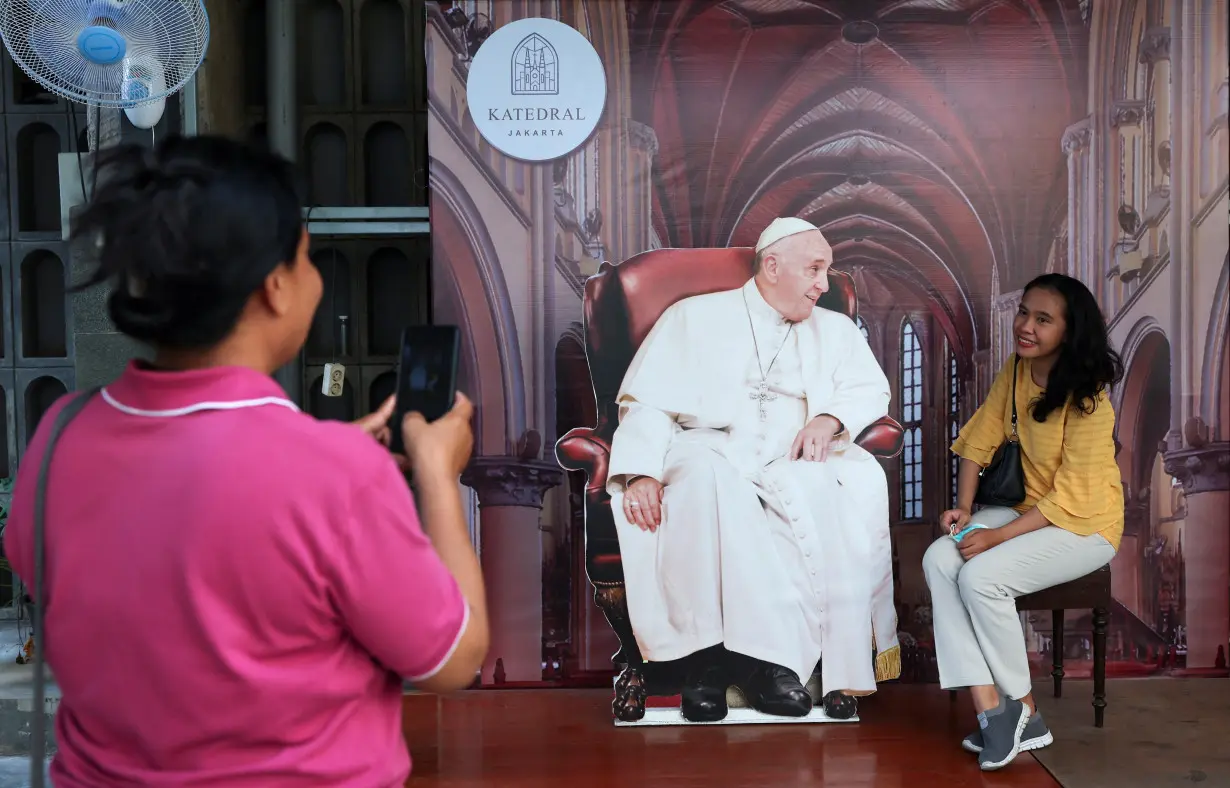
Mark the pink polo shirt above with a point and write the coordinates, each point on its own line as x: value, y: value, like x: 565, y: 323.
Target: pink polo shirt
x: 235, y: 589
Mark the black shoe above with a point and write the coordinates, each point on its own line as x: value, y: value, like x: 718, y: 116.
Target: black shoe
x: 839, y: 706
x: 704, y: 694
x: 773, y: 689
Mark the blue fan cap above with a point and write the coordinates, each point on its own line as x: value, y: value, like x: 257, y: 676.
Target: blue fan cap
x: 101, y: 45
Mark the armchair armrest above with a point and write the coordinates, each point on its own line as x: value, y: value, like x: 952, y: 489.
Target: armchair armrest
x: 582, y: 449
x: 884, y: 438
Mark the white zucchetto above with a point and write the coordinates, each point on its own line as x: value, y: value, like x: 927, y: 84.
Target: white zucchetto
x: 782, y: 228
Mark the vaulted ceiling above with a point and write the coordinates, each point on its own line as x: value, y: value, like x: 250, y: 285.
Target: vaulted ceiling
x: 921, y: 135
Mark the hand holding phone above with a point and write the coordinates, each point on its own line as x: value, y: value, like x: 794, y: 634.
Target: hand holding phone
x: 426, y: 377
x: 443, y: 445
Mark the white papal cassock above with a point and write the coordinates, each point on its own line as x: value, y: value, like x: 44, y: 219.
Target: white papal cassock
x: 781, y: 560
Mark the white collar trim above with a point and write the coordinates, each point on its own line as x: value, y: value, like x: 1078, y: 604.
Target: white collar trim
x: 197, y: 406
x: 759, y: 306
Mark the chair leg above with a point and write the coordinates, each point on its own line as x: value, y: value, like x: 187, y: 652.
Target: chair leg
x: 630, y: 690
x: 1057, y: 651
x: 1100, y: 622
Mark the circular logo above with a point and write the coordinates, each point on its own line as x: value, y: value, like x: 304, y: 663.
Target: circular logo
x: 536, y: 89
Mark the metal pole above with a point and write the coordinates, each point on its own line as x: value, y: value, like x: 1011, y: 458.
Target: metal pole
x: 282, y: 128
x: 188, y: 108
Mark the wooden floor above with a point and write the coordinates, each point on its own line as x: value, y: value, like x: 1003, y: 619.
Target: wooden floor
x: 909, y: 736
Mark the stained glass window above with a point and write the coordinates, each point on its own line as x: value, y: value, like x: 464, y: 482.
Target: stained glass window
x: 911, y: 421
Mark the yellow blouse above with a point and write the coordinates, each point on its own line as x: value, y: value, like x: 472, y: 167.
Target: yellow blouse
x: 1069, y: 459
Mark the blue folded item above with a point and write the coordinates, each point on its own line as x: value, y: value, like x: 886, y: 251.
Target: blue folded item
x: 957, y: 537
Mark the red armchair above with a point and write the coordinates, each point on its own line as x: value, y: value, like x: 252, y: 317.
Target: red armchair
x: 622, y: 303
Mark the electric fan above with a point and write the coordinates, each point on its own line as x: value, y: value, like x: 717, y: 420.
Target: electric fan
x: 126, y: 54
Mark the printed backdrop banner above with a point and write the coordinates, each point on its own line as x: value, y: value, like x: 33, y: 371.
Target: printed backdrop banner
x: 948, y: 155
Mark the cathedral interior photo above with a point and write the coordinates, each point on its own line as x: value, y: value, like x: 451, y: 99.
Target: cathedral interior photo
x: 950, y: 151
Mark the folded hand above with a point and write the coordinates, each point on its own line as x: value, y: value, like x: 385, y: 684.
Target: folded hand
x: 643, y: 503
x: 814, y: 441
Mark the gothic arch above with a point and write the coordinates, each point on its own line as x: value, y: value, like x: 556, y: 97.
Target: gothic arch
x: 1214, y: 392
x: 450, y: 309
x: 924, y: 161
x: 469, y: 266
x: 1144, y: 410
x: 1131, y: 346
x: 1114, y: 25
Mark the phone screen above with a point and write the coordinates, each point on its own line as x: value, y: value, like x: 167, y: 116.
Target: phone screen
x: 426, y: 376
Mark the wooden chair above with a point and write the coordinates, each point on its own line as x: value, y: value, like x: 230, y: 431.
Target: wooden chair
x: 1091, y: 592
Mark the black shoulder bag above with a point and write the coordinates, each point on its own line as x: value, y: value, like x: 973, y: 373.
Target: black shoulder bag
x: 38, y: 722
x: 1002, y: 482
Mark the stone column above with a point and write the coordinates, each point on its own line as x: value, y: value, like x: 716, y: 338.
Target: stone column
x: 281, y: 125
x: 1074, y: 143
x: 1003, y: 312
x: 510, y: 493
x: 1159, y: 44
x: 1204, y: 472
x: 980, y: 381
x: 638, y: 188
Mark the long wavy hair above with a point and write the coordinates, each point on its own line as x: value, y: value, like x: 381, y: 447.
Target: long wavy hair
x: 1087, y: 365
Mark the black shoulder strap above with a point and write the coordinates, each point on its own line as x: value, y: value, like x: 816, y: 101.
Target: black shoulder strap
x: 1016, y: 362
x: 38, y: 724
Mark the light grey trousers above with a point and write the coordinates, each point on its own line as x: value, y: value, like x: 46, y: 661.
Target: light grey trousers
x: 979, y: 639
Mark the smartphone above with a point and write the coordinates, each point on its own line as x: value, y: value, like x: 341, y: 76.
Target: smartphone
x: 426, y: 376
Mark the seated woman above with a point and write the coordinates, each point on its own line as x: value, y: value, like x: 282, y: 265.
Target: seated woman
x: 1068, y: 525
x: 233, y: 590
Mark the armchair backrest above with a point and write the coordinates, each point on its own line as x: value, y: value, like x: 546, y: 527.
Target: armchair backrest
x: 623, y: 302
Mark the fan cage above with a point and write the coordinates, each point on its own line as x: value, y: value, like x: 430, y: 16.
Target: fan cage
x: 173, y: 33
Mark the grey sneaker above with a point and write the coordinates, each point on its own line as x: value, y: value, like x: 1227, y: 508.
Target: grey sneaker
x: 1035, y: 737
x: 1001, y: 734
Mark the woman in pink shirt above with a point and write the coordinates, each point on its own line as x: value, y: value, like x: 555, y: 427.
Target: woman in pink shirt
x: 234, y: 591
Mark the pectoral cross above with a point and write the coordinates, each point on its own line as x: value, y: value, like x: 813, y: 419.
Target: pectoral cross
x: 762, y: 393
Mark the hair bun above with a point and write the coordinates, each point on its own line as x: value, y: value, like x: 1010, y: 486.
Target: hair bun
x: 187, y: 232
x: 138, y: 317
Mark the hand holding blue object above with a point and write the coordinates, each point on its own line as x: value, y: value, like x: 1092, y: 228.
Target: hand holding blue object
x: 969, y: 529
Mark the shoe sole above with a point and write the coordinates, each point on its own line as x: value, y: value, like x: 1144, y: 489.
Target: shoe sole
x: 1021, y: 722
x: 1036, y: 743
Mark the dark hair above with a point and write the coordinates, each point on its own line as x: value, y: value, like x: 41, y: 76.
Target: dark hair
x: 186, y: 232
x: 1086, y: 364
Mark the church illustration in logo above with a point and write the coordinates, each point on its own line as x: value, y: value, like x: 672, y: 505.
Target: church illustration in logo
x: 535, y: 68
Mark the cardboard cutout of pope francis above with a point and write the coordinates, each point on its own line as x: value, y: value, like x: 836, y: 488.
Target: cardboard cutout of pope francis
x: 754, y: 533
